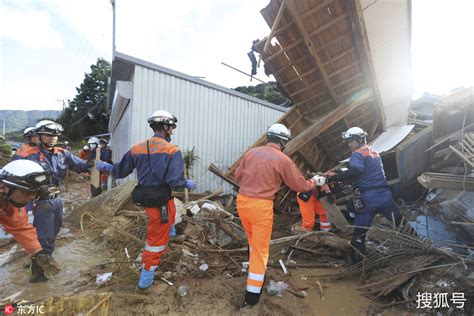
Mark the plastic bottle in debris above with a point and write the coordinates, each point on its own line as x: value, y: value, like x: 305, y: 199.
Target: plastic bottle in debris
x: 181, y: 294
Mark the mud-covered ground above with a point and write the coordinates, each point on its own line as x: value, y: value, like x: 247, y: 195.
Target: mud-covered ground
x: 207, y: 295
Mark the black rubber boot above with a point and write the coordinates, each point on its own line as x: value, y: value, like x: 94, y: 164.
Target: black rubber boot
x: 37, y: 274
x: 251, y: 299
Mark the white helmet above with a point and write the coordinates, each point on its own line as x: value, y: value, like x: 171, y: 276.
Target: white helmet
x: 353, y: 132
x: 164, y: 117
x: 86, y: 147
x: 280, y: 131
x: 66, y: 142
x: 93, y: 140
x: 24, y: 174
x: 48, y: 127
x: 28, y: 132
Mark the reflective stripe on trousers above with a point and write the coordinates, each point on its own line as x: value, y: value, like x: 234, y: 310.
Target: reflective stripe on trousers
x: 157, y: 235
x: 256, y: 216
x: 308, y: 210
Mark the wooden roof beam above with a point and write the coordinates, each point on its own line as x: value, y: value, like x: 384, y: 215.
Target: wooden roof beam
x: 291, y: 7
x: 282, y: 50
x: 316, y: 9
x: 323, y: 123
x: 299, y: 78
x: 275, y: 24
x: 328, y: 25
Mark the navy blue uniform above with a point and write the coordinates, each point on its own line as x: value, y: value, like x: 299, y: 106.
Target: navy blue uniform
x: 48, y: 212
x: 365, y: 165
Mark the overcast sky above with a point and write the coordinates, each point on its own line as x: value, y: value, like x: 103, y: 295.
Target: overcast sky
x: 48, y: 45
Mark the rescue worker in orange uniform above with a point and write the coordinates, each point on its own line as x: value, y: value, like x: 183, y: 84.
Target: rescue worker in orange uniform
x: 160, y: 167
x: 31, y: 140
x: 85, y: 153
x: 105, y: 155
x: 260, y: 174
x: 20, y: 183
x: 310, y: 205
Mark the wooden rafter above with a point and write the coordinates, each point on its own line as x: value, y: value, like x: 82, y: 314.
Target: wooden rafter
x: 323, y: 124
x: 275, y: 24
x: 283, y: 50
x: 290, y: 4
x: 328, y: 25
x: 316, y: 9
x: 286, y: 84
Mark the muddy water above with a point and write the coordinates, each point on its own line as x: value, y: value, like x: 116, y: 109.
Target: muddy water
x: 74, y: 256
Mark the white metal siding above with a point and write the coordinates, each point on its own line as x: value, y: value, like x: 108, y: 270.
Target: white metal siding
x: 221, y: 126
x: 120, y: 141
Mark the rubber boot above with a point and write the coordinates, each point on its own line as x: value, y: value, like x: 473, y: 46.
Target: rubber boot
x: 356, y: 254
x: 250, y: 300
x: 37, y: 274
x: 146, y: 281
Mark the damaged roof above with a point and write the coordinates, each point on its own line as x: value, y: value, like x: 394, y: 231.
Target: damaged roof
x: 323, y: 63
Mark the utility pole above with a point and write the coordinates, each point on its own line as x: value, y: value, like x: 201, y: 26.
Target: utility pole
x: 63, y: 101
x: 113, y: 29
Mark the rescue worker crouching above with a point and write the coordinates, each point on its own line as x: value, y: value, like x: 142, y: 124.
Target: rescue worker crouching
x: 366, y: 168
x: 20, y: 183
x: 48, y: 209
x: 160, y: 167
x: 260, y: 174
x: 310, y: 206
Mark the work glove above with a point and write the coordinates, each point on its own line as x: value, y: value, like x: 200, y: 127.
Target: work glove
x: 47, y: 263
x: 320, y: 180
x: 190, y: 184
x: 104, y: 166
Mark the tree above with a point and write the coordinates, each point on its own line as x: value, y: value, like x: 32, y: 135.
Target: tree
x: 265, y: 91
x: 86, y: 114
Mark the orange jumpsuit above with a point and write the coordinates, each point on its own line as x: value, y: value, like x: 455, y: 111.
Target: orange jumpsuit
x: 311, y: 207
x: 15, y: 222
x: 260, y: 174
x: 84, y: 154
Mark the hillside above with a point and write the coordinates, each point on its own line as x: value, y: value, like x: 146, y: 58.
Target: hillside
x: 17, y: 120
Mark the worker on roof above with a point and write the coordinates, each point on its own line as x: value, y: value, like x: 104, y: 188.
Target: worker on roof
x: 48, y: 209
x: 310, y: 205
x: 160, y: 167
x: 366, y: 169
x: 260, y: 174
x: 31, y: 140
x: 20, y: 183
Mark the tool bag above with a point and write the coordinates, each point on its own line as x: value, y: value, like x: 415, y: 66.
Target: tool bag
x: 153, y: 195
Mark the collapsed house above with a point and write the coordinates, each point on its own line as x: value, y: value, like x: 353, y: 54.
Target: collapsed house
x: 338, y: 74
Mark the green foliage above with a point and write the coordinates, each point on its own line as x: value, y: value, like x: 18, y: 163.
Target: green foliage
x: 18, y: 120
x: 189, y: 158
x: 86, y: 113
x: 268, y: 92
x: 5, y: 148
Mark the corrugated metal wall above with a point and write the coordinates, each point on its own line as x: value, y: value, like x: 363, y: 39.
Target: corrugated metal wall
x: 120, y: 142
x: 219, y: 125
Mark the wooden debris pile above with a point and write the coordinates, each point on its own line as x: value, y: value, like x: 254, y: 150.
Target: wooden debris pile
x: 400, y: 262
